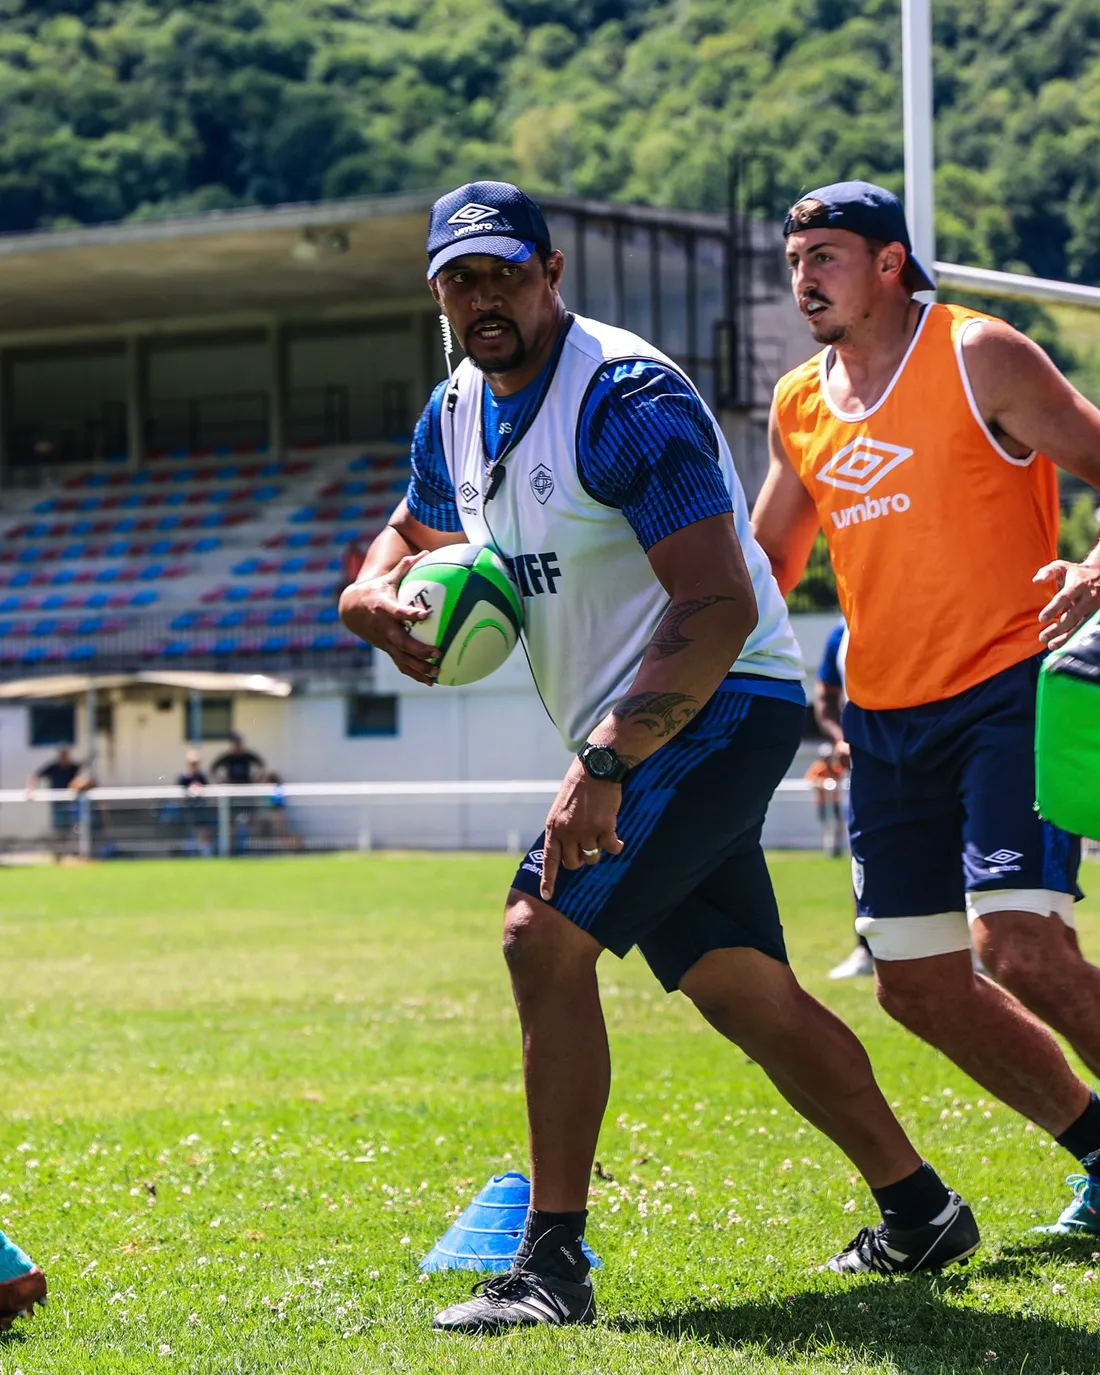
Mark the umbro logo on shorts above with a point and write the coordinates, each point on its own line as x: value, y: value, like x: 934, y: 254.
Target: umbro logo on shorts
x: 533, y: 863
x: 1004, y: 861
x: 862, y: 464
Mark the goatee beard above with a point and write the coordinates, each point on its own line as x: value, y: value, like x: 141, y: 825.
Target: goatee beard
x: 509, y: 363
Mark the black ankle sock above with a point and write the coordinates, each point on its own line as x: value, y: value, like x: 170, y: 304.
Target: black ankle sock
x: 538, y: 1224
x: 1082, y: 1138
x: 914, y: 1200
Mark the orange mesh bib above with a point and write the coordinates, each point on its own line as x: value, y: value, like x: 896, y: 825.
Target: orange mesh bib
x: 935, y: 532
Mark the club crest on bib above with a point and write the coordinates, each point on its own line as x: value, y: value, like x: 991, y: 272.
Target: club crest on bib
x: 542, y: 483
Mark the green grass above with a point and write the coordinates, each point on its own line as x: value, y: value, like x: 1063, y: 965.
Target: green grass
x: 315, y: 1062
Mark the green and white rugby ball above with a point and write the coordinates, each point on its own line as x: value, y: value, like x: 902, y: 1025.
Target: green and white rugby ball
x: 476, y: 611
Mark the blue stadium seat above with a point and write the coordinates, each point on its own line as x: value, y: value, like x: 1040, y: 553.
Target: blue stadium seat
x: 207, y: 544
x: 168, y: 523
x: 357, y: 465
x: 62, y: 576
x: 97, y: 599
x: 282, y: 615
x: 92, y: 626
x: 107, y: 575
x: 176, y: 649
x: 144, y: 598
x: 212, y: 521
x: 80, y: 653
x: 274, y: 644
x: 70, y: 551
x: 246, y: 568
x: 159, y: 547
x: 20, y: 579
x: 231, y: 619
x: 184, y: 621
x: 329, y: 641
x: 11, y: 604
x: 117, y: 549
x: 298, y: 541
x: 28, y: 555
x: 151, y: 572
x: 227, y: 645
x: 294, y: 565
x: 80, y: 527
x: 34, y: 655
x: 328, y: 615
x: 54, y: 603
x: 285, y: 589
x: 237, y: 594
x: 5, y: 628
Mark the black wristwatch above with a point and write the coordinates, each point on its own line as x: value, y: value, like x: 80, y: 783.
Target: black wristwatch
x: 602, y: 763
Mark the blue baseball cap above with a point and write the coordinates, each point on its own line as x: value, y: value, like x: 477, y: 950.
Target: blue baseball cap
x: 865, y: 209
x: 492, y: 217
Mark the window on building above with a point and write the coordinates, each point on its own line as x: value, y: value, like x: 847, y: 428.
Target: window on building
x: 52, y: 723
x: 215, y: 718
x: 370, y: 715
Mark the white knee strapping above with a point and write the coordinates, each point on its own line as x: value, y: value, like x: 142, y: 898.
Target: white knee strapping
x: 915, y: 938
x: 1040, y: 902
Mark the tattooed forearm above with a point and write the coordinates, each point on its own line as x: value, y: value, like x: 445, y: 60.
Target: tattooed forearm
x: 669, y: 638
x: 664, y: 713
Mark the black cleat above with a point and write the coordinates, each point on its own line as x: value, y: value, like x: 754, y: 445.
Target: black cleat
x: 884, y: 1250
x: 551, y: 1285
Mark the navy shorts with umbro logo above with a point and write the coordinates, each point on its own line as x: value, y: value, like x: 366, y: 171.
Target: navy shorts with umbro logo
x: 943, y: 802
x: 692, y: 877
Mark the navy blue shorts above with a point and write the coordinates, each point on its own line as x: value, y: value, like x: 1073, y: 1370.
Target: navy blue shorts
x: 692, y: 877
x: 943, y: 802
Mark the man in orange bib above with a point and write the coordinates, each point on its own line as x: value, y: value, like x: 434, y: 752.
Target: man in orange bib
x: 923, y: 440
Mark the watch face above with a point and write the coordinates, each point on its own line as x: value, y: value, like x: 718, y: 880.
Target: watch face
x: 601, y: 762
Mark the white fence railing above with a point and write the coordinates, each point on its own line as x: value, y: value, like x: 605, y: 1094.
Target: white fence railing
x: 227, y: 820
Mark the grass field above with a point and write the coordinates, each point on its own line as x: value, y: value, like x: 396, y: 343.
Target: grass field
x: 245, y: 1097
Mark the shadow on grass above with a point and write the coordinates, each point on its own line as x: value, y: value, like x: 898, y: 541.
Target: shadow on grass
x: 1023, y: 1257
x: 906, y: 1323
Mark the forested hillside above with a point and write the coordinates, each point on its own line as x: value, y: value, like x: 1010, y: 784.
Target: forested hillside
x: 127, y: 107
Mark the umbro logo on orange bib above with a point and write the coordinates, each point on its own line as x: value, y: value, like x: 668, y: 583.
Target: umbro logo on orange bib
x: 861, y: 465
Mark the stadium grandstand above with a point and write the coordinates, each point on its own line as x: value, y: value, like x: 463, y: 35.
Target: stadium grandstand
x: 201, y: 418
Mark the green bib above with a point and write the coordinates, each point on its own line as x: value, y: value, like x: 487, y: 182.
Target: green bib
x: 1067, y: 734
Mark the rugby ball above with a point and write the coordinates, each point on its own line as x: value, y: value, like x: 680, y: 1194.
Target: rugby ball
x: 476, y: 613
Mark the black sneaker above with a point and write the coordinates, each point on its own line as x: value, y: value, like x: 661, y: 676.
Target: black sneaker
x: 884, y: 1250
x: 550, y: 1285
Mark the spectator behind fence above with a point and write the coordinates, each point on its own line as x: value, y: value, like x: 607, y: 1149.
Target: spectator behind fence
x: 238, y: 765
x: 198, y: 815
x: 59, y: 774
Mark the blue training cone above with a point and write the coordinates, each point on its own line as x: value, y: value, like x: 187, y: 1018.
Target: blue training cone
x: 487, y: 1235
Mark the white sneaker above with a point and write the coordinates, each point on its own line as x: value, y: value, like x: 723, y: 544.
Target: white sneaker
x: 858, y: 963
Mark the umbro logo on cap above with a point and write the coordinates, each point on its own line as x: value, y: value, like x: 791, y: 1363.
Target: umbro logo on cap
x: 485, y: 217
x: 472, y: 213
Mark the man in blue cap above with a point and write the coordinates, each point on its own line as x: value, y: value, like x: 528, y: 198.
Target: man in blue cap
x: 923, y: 440
x: 663, y: 652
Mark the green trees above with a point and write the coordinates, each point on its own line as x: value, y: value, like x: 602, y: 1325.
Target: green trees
x: 113, y: 108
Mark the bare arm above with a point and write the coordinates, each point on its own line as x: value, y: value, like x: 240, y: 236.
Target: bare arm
x: 828, y: 701
x: 784, y: 519
x: 711, y: 614
x: 371, y: 608
x: 1028, y: 405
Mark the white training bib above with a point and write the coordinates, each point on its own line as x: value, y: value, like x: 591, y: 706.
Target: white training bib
x: 591, y: 599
